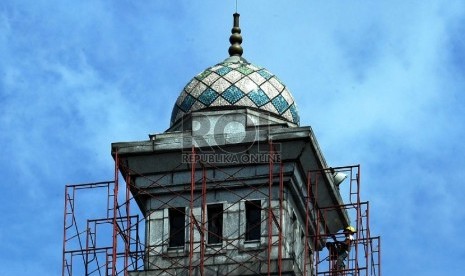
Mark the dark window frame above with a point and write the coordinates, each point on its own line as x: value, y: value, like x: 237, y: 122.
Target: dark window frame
x: 215, y: 223
x: 253, y: 220
x: 177, y: 227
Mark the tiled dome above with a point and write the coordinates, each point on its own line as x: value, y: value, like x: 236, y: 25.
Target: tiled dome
x: 236, y: 83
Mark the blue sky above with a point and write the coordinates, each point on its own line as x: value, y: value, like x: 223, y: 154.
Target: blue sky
x: 381, y: 83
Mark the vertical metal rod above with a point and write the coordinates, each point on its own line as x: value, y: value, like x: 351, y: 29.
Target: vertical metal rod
x: 318, y: 214
x: 115, y: 214
x: 368, y: 237
x: 127, y: 245
x: 317, y: 210
x: 379, y: 256
x: 307, y: 214
x: 137, y: 243
x: 86, y: 264
x: 191, y: 212
x: 359, y: 223
x: 109, y: 200
x: 270, y: 211
x: 64, y: 232
x: 281, y: 198
x: 204, y: 219
x: 149, y: 244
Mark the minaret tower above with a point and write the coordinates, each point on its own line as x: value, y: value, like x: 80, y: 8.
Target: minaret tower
x: 224, y: 189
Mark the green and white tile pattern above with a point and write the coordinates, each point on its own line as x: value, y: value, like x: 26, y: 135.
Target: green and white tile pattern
x: 236, y: 83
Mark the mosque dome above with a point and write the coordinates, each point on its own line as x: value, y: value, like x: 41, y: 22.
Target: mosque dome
x: 236, y: 83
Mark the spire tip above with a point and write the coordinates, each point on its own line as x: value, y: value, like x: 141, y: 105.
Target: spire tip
x: 236, y: 38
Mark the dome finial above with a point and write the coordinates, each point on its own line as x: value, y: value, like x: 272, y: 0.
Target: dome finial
x: 235, y: 39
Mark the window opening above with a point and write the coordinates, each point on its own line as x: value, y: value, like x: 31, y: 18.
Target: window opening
x: 253, y: 220
x: 177, y: 226
x: 215, y: 223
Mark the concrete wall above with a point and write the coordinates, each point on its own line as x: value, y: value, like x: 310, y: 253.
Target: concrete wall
x: 224, y: 259
x: 161, y: 180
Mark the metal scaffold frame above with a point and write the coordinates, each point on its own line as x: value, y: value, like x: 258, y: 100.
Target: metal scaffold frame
x: 107, y: 245
x: 197, y: 192
x: 119, y: 250
x: 365, y: 255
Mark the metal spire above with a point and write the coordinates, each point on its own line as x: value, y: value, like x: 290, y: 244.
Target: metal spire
x: 236, y: 38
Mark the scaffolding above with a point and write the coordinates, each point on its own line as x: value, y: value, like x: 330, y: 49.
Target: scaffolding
x: 100, y: 236
x: 111, y: 244
x: 364, y: 257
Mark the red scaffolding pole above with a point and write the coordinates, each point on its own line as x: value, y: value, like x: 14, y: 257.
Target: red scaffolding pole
x: 89, y: 248
x: 107, y: 245
x: 364, y: 257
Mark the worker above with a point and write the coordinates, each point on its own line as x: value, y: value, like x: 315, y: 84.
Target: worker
x: 339, y: 250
